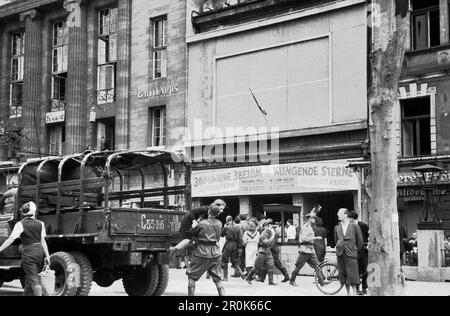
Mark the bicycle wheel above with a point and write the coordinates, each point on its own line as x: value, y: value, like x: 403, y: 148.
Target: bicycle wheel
x: 330, y: 283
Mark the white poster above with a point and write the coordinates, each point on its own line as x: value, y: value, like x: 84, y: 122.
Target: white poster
x: 330, y: 176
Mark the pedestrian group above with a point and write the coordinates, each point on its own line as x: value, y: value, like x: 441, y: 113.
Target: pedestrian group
x: 250, y: 245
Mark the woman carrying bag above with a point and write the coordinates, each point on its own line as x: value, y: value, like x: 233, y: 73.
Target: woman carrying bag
x: 34, y: 248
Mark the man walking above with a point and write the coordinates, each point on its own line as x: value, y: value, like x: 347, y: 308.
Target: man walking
x: 32, y: 233
x: 306, y: 252
x: 349, y: 241
x: 275, y: 250
x: 206, y: 255
x: 232, y: 234
x: 264, y: 258
x: 363, y: 253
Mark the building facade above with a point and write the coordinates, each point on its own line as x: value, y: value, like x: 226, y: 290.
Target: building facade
x: 98, y: 74
x: 68, y: 82
x: 289, y: 72
x: 423, y: 122
x: 89, y: 71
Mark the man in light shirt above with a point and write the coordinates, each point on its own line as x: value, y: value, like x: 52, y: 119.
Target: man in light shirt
x: 306, y: 252
x: 291, y: 232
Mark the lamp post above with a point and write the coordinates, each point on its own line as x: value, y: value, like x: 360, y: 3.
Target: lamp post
x: 429, y: 176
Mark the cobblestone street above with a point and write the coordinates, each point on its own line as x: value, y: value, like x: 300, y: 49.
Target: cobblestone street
x: 237, y: 287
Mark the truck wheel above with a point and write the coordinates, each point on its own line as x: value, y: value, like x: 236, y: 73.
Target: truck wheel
x: 85, y: 273
x: 60, y: 262
x: 143, y: 282
x: 163, y: 279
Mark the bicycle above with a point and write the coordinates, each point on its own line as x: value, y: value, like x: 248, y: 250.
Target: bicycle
x: 327, y: 278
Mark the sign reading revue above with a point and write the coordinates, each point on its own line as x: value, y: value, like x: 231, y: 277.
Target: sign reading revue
x: 275, y: 179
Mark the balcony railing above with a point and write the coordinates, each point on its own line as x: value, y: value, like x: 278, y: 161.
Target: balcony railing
x: 15, y: 111
x: 106, y: 96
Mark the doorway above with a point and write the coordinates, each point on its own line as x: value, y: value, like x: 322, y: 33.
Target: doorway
x: 331, y: 203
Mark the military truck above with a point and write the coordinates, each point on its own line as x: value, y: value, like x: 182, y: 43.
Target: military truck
x: 108, y: 216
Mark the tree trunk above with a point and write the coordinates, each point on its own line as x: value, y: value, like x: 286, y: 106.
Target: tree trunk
x: 390, y: 28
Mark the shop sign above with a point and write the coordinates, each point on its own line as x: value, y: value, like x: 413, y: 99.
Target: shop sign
x: 331, y: 176
x: 55, y: 117
x: 416, y: 193
x: 165, y: 91
x: 408, y: 179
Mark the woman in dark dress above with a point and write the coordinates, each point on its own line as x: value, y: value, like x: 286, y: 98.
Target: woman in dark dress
x: 320, y: 246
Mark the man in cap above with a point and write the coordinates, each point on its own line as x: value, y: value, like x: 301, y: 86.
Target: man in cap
x: 32, y: 233
x: 306, y: 252
x: 275, y: 250
x: 264, y: 259
x: 206, y: 254
x: 233, y: 237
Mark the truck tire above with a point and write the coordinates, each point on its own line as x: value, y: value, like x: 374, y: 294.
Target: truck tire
x: 163, y: 279
x: 86, y: 275
x: 143, y: 283
x: 59, y: 262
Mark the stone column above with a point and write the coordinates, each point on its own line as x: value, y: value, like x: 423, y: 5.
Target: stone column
x: 123, y: 75
x: 76, y: 105
x: 444, y: 21
x: 32, y: 88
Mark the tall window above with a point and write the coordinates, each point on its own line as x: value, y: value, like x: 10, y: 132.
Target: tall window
x: 59, y: 66
x: 16, y: 76
x: 157, y: 119
x: 416, y: 127
x: 425, y: 24
x: 107, y: 55
x: 159, y: 47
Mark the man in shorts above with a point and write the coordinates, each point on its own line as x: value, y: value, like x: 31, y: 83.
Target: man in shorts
x: 206, y: 256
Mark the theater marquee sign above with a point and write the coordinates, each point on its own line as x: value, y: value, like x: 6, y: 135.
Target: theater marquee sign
x: 331, y: 176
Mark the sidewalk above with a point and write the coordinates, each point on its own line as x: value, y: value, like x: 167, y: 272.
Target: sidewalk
x: 237, y: 287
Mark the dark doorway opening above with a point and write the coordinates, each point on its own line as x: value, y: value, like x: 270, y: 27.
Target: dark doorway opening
x: 331, y: 203
x: 258, y: 201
